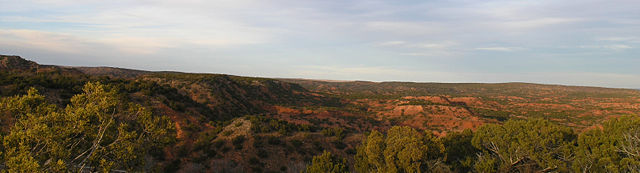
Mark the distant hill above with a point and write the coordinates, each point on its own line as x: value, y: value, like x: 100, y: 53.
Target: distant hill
x: 112, y: 71
x: 16, y: 63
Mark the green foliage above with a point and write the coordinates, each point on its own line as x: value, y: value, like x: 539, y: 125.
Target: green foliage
x: 296, y: 143
x: 238, y: 142
x: 18, y: 106
x: 327, y: 163
x: 20, y: 82
x: 493, y: 114
x: 254, y: 161
x: 273, y: 140
x: 262, y: 124
x: 334, y: 131
x: 614, y: 148
x: 339, y: 144
x: 97, y: 130
x: 421, y: 102
x: 262, y: 153
x: 403, y: 149
x: 459, y: 153
x: 533, y: 145
x: 524, y: 145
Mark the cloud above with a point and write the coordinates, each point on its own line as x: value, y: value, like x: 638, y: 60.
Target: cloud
x: 500, y: 49
x: 247, y: 36
x: 404, y: 28
x: 71, y: 44
x: 165, y: 21
x: 625, y: 39
x: 617, y: 38
x: 391, y: 43
x: 614, y: 47
x: 539, y: 22
x: 618, y: 47
x: 55, y: 42
x: 419, y: 45
x: 436, y: 45
x: 422, y: 49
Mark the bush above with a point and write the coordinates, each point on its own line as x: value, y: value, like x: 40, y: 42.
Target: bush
x: 254, y: 161
x: 350, y: 151
x: 262, y: 153
x: 227, y: 133
x: 337, y: 132
x: 317, y: 146
x: 218, y: 143
x: 225, y: 149
x: 339, y: 144
x: 327, y: 163
x: 272, y: 140
x: 257, y: 142
x: 238, y: 142
x: 296, y: 143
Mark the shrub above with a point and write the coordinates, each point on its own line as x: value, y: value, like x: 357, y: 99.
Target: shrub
x: 326, y: 162
x: 337, y: 132
x: 254, y: 161
x: 317, y: 146
x: 238, y: 142
x: 262, y: 153
x: 296, y: 143
x: 218, y: 143
x: 339, y: 144
x: 274, y: 140
x: 227, y: 133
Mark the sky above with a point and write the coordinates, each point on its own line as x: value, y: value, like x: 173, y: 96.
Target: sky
x: 586, y: 42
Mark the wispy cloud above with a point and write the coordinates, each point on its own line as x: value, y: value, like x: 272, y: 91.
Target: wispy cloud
x: 627, y: 39
x: 360, y: 36
x: 615, y: 47
x: 56, y: 42
x: 391, y: 43
x: 539, y: 22
x: 500, y: 49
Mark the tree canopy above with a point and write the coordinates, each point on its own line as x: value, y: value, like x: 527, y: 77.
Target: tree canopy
x: 403, y: 149
x: 327, y: 163
x: 533, y: 145
x: 520, y: 145
x: 98, y: 130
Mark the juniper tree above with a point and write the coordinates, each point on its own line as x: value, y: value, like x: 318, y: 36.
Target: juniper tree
x: 98, y: 130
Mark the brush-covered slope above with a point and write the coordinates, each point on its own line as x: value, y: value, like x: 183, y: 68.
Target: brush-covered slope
x: 200, y: 105
x: 453, y: 104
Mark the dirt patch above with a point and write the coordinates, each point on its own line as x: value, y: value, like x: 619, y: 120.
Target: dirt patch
x: 433, y: 99
x: 469, y: 101
x: 239, y: 127
x: 286, y: 110
x: 407, y: 110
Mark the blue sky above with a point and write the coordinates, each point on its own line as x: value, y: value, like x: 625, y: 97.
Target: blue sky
x: 587, y: 42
